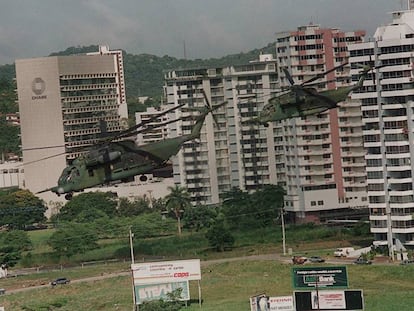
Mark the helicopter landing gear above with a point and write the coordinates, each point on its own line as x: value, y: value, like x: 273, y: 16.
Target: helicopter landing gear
x: 68, y: 196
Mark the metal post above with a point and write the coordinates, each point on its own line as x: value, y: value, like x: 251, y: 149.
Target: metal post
x: 199, y: 293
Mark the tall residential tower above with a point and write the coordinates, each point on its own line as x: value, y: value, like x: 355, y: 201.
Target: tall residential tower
x: 388, y: 116
x: 324, y: 155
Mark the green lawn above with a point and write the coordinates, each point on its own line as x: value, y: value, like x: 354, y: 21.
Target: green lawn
x: 225, y: 287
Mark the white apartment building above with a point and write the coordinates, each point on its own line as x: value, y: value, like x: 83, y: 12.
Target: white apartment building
x: 62, y: 100
x: 231, y: 154
x: 11, y: 174
x: 157, y: 133
x: 388, y: 116
x: 323, y: 154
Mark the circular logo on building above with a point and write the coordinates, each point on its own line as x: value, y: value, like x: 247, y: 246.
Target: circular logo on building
x: 38, y: 86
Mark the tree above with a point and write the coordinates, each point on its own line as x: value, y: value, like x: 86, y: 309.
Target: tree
x: 135, y: 207
x: 73, y: 239
x: 19, y: 208
x: 237, y: 208
x: 219, y: 235
x: 12, y: 244
x: 199, y: 217
x: 267, y: 201
x: 244, y: 210
x: 76, y: 209
x: 176, y: 202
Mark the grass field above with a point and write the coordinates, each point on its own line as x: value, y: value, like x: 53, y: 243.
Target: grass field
x: 225, y: 287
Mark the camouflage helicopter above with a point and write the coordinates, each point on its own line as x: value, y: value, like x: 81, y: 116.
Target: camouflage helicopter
x: 122, y: 160
x: 302, y: 99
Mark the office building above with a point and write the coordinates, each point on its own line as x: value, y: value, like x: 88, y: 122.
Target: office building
x: 62, y: 103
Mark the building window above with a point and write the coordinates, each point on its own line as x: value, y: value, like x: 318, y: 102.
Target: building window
x: 320, y: 202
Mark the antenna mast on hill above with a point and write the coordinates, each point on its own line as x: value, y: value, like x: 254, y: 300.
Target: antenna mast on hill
x: 185, y: 52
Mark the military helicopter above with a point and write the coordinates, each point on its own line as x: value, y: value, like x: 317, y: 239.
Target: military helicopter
x: 122, y: 160
x: 302, y: 99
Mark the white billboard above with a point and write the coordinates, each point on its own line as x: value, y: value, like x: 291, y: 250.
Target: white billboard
x: 328, y: 300
x: 282, y: 303
x: 166, y: 271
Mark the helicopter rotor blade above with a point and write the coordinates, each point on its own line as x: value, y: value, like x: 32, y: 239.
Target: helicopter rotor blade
x: 45, y: 190
x: 206, y: 98
x: 288, y: 76
x: 321, y: 75
x: 133, y: 130
x: 211, y: 109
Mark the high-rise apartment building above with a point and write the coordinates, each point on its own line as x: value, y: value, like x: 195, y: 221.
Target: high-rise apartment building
x: 229, y: 153
x: 149, y: 117
x: 324, y: 155
x: 62, y: 102
x: 388, y: 115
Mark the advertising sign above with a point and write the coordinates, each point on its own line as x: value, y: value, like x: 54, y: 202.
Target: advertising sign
x: 166, y: 272
x: 259, y: 303
x: 282, y: 303
x: 160, y: 291
x: 312, y: 277
x: 329, y: 300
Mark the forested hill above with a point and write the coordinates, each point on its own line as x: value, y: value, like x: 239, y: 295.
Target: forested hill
x: 144, y: 73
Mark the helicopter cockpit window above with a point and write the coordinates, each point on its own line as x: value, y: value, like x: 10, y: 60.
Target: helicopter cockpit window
x: 74, y: 173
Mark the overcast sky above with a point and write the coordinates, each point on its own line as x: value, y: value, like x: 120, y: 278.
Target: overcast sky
x: 209, y: 28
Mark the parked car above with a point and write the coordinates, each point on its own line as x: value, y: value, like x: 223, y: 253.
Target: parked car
x: 60, y: 281
x: 316, y: 259
x: 362, y: 261
x: 298, y: 260
x: 407, y: 262
x: 2, y: 291
x: 343, y: 252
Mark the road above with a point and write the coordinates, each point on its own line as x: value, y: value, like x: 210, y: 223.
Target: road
x: 272, y: 257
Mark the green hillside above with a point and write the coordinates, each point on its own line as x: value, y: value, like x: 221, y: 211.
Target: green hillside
x: 144, y: 73
x: 144, y: 76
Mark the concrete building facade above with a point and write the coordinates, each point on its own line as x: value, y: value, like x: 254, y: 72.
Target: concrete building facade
x: 324, y: 155
x: 388, y: 116
x: 229, y: 154
x: 62, y: 101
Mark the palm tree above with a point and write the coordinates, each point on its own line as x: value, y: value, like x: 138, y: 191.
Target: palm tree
x: 177, y: 201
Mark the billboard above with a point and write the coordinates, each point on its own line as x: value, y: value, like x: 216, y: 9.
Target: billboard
x: 259, y: 303
x: 166, y: 271
x: 160, y: 291
x: 262, y: 302
x: 326, y: 277
x: 329, y: 300
x: 282, y: 303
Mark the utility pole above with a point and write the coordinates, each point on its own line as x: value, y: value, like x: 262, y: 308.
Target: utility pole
x: 282, y: 212
x: 131, y: 245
